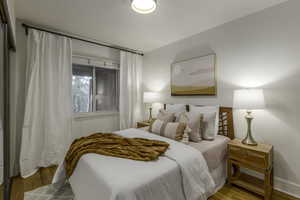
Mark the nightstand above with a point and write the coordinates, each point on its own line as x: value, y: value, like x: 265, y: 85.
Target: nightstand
x: 142, y: 124
x: 257, y: 158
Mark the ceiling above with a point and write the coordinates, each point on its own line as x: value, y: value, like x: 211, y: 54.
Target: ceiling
x: 114, y: 22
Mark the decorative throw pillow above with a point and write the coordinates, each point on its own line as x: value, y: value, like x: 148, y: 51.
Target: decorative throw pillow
x: 165, y: 116
x: 208, y: 126
x: 156, y: 126
x: 210, y: 122
x: 172, y: 130
x: 193, y: 121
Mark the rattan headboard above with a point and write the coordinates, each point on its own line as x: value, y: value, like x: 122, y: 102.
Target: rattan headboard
x: 225, y: 121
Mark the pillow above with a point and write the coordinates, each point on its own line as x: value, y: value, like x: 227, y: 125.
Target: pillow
x: 210, y: 122
x: 156, y: 126
x: 208, y: 126
x: 193, y: 121
x: 165, y: 116
x: 176, y: 108
x: 172, y: 130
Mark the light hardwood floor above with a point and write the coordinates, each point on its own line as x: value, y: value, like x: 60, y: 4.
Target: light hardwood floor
x: 44, y: 176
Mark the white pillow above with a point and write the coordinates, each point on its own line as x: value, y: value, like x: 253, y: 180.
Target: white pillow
x: 177, y: 109
x: 193, y: 121
x: 165, y: 116
x: 210, y: 121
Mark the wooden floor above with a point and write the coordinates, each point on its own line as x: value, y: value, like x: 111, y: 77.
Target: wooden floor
x: 44, y: 177
x: 1, y: 192
x: 41, y: 178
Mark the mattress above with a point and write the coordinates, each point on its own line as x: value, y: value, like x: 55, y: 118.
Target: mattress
x: 220, y: 175
x: 180, y: 174
x: 214, y: 152
x: 108, y: 178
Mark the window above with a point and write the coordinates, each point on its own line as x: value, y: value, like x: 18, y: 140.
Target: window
x: 94, y: 89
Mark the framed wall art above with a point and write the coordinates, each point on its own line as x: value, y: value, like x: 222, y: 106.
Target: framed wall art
x: 195, y: 76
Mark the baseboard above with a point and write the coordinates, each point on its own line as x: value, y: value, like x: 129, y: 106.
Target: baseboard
x: 287, y: 187
x: 280, y: 184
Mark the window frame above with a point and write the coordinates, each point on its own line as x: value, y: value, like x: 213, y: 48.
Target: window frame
x: 94, y: 64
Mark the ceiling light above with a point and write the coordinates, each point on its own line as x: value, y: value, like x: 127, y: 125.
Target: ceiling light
x: 143, y: 6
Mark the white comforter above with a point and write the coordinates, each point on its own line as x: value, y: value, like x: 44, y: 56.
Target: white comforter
x: 181, y: 174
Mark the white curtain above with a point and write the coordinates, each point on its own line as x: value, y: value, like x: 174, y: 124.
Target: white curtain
x: 130, y: 89
x: 48, y: 111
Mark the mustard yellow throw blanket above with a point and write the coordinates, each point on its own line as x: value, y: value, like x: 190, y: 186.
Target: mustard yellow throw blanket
x: 110, y: 144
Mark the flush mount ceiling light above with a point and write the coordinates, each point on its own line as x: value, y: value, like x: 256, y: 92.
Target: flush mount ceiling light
x: 143, y: 6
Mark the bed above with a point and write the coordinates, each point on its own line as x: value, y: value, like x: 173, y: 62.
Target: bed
x: 215, y: 152
x: 185, y: 172
x: 215, y: 155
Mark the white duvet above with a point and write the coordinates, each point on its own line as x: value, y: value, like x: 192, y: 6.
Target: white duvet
x: 180, y: 174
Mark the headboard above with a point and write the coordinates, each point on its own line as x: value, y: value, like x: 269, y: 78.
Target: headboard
x: 225, y: 121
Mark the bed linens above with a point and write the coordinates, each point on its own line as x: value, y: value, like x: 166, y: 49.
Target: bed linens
x: 180, y: 174
x: 114, y: 145
x: 214, y: 151
x: 215, y: 154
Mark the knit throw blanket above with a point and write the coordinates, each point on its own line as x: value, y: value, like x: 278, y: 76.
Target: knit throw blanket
x: 110, y: 144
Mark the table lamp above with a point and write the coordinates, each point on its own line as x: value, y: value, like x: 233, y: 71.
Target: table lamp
x: 249, y: 100
x: 150, y: 98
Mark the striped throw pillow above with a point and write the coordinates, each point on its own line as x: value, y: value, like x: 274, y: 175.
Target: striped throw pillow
x: 172, y: 130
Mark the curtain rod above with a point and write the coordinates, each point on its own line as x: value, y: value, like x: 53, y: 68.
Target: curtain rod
x: 26, y: 26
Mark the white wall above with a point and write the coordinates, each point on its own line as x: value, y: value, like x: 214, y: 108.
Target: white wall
x: 81, y: 126
x: 261, y: 50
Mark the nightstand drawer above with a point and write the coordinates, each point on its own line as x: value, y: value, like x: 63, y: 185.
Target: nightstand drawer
x: 257, y: 159
x: 237, y: 153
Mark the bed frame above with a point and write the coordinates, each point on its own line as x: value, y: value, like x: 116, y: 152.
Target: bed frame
x: 225, y: 121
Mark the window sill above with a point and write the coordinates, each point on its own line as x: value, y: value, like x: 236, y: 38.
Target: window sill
x: 91, y: 115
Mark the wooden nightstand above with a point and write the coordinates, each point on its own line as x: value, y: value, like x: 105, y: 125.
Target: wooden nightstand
x: 142, y: 124
x: 257, y: 158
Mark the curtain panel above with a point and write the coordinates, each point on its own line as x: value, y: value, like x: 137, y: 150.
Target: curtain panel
x: 47, y: 124
x: 130, y: 89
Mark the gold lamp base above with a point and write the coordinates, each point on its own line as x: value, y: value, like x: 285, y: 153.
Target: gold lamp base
x: 249, y: 140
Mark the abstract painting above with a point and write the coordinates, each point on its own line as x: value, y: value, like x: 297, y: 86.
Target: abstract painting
x: 195, y: 76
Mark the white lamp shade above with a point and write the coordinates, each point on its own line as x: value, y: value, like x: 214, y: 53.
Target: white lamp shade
x: 151, y: 97
x: 249, y: 99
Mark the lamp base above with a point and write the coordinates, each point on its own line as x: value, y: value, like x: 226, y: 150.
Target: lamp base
x: 150, y: 114
x: 249, y: 140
